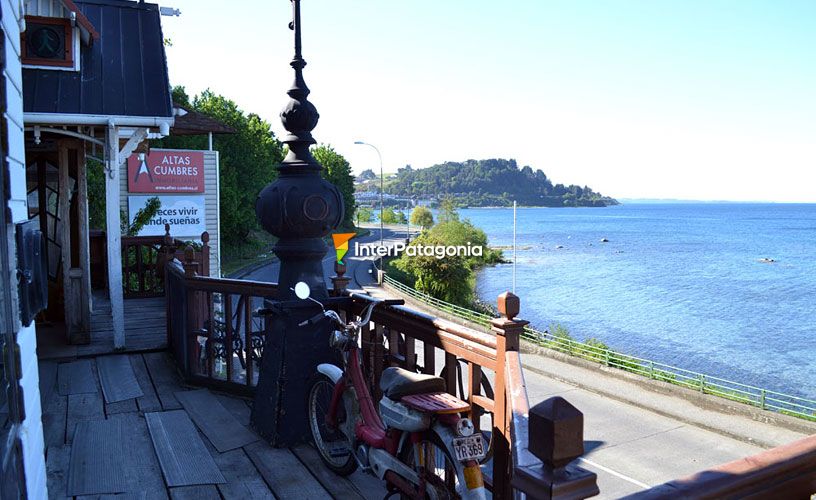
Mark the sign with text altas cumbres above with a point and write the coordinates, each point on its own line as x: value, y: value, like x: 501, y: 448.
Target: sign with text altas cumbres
x: 166, y: 171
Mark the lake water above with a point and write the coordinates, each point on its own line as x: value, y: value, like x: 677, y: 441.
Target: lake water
x: 678, y: 283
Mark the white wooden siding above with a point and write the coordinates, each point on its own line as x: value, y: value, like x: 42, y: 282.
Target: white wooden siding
x: 31, y: 431
x: 45, y: 8
x: 211, y: 204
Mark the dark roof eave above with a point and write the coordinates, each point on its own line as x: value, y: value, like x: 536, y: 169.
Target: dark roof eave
x: 81, y: 19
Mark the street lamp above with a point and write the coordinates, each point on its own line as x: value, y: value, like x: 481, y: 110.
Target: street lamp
x: 382, y: 183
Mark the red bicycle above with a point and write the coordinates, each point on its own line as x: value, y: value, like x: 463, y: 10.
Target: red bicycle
x: 417, y: 442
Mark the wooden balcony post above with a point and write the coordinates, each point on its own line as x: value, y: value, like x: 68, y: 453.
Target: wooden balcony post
x: 339, y: 281
x: 193, y: 350
x: 205, y: 254
x: 556, y: 437
x: 189, y: 264
x: 165, y: 255
x: 507, y: 330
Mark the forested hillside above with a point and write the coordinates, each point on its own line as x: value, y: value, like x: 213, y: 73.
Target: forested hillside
x: 494, y: 182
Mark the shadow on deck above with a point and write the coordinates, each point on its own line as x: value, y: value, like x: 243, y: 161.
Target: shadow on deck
x: 125, y: 423
x: 145, y: 330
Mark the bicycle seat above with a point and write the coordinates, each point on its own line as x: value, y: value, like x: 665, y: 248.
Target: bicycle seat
x: 396, y: 383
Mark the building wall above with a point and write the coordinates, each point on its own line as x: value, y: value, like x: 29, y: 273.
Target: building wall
x: 31, y: 433
x: 45, y: 8
x: 211, y: 205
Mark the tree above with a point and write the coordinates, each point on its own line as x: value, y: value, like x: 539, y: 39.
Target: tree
x: 449, y: 279
x: 363, y: 214
x: 247, y: 160
x: 391, y: 216
x: 492, y: 182
x: 447, y: 210
x: 366, y: 175
x: 142, y: 217
x: 422, y: 217
x: 336, y: 170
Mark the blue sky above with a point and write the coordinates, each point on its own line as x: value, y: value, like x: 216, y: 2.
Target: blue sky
x: 711, y: 100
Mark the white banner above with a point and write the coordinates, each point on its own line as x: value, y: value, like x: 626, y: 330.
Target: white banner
x: 185, y: 214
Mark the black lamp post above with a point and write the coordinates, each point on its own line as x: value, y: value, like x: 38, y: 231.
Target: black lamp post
x: 301, y: 209
x: 382, y: 191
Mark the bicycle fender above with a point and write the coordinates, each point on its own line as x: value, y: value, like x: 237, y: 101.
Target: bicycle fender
x: 331, y: 371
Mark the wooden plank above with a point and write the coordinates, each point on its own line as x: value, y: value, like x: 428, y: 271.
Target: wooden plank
x: 126, y: 406
x: 219, y: 425
x: 83, y: 243
x: 150, y: 401
x: 239, y: 407
x: 148, y: 477
x: 99, y: 459
x: 82, y: 408
x: 54, y: 420
x: 117, y: 378
x: 122, y: 496
x: 76, y: 377
x: 165, y: 379
x: 183, y: 457
x: 243, y: 479
x: 56, y: 470
x: 255, y: 490
x: 284, y: 473
x: 337, y: 486
x: 200, y: 492
x: 48, y: 381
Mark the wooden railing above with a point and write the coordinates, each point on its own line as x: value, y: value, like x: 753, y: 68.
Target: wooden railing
x: 144, y: 257
x: 213, y: 328
x: 217, y: 338
x: 787, y: 471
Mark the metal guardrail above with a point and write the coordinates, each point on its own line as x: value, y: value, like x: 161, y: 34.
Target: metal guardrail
x: 765, y: 399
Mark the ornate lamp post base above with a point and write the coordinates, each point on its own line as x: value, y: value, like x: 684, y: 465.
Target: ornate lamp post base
x: 301, y: 209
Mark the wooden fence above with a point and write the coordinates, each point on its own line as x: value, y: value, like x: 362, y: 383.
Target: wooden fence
x: 144, y: 257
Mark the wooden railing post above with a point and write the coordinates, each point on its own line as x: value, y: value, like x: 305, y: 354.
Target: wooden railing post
x: 556, y: 437
x: 205, y: 254
x: 165, y: 255
x: 189, y: 264
x: 339, y: 281
x: 508, y: 331
x: 193, y: 352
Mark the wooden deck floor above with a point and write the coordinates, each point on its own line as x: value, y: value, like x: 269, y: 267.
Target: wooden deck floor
x: 145, y: 330
x: 254, y: 470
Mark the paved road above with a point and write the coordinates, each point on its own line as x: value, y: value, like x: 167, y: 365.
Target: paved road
x: 360, y: 270
x: 630, y: 448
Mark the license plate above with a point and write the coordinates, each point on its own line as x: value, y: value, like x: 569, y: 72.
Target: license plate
x: 469, y: 448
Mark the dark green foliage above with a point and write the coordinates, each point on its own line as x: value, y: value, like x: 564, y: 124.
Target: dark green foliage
x: 337, y: 171
x: 96, y: 194
x: 451, y: 278
x: 366, y: 175
x: 494, y: 182
x: 142, y: 217
x: 248, y: 160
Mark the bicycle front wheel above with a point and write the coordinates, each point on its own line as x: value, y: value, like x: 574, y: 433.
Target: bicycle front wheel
x: 331, y: 443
